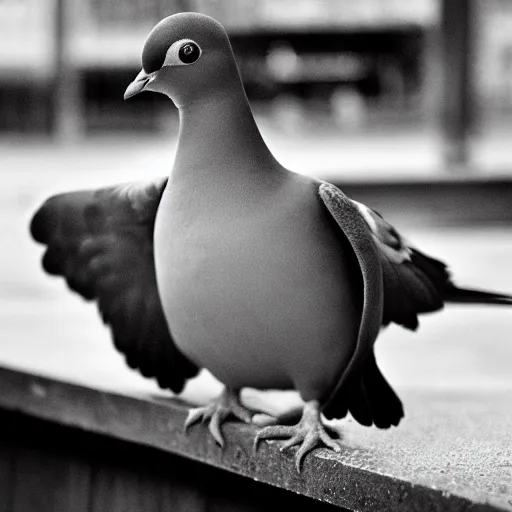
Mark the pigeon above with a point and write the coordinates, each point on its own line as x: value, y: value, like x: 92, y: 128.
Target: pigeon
x: 267, y: 278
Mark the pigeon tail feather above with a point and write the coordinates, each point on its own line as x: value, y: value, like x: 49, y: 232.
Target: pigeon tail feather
x: 369, y: 398
x: 458, y: 295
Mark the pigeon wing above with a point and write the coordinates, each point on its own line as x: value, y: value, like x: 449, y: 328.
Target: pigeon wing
x: 101, y: 242
x: 414, y: 283
x: 362, y: 390
x: 355, y: 388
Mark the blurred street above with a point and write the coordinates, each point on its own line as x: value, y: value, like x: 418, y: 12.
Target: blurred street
x: 384, y: 156
x: 43, y: 326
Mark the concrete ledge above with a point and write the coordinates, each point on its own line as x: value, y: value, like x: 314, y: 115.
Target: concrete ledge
x: 407, y: 469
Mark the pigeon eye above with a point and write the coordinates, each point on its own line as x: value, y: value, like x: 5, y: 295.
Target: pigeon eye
x: 189, y: 52
x: 182, y: 53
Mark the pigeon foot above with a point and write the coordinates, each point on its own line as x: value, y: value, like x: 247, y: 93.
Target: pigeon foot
x: 308, y: 433
x: 228, y: 403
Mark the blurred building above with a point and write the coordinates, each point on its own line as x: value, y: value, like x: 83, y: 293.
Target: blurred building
x: 493, y: 70
x: 338, y: 64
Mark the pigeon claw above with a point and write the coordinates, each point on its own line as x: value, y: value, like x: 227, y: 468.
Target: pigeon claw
x: 308, y: 434
x: 216, y: 412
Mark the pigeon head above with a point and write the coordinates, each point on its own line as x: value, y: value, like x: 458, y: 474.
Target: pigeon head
x: 186, y: 56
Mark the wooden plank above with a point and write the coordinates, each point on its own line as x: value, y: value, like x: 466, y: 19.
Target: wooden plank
x: 47, y: 481
x: 45, y: 473
x: 130, y: 478
x: 183, y: 495
x: 7, y: 470
x: 117, y: 489
x: 134, y: 480
x: 226, y: 493
x: 127, y: 477
x: 402, y: 467
x: 183, y: 486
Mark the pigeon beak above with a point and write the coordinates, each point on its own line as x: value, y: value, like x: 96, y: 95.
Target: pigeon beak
x: 139, y: 84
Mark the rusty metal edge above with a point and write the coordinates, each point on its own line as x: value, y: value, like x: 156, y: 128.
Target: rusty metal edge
x: 159, y: 424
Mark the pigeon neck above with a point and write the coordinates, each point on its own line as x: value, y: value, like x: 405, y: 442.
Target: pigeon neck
x: 219, y: 133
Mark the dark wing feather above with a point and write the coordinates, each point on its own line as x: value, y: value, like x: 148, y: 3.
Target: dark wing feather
x: 101, y: 242
x: 415, y: 283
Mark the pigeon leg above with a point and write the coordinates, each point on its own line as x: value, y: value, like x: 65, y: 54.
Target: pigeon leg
x: 228, y: 403
x: 308, y: 433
